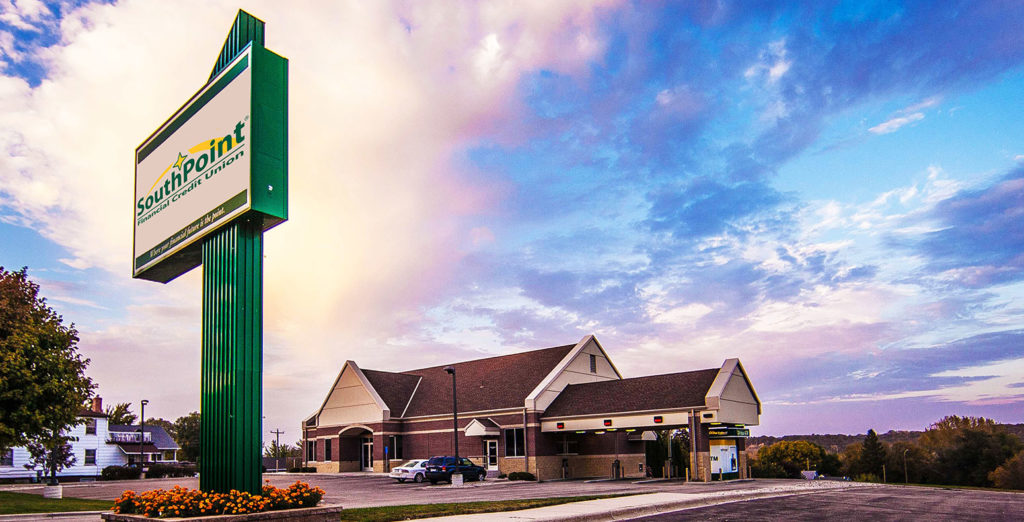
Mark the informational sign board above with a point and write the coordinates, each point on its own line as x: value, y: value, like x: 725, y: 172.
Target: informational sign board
x: 728, y: 432
x: 724, y: 457
x: 207, y: 165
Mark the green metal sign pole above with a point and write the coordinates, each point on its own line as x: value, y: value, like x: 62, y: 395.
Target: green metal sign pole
x: 232, y: 360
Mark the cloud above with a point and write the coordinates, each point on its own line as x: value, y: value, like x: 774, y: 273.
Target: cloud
x: 976, y: 240
x: 894, y: 124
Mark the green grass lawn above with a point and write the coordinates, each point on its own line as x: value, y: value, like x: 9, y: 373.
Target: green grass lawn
x: 389, y: 513
x: 13, y: 503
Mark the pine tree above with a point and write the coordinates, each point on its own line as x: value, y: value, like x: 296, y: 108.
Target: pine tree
x: 872, y: 454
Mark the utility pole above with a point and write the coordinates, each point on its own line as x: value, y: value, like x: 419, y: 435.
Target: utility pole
x: 277, y: 448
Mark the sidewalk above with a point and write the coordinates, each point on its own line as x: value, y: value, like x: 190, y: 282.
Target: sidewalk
x: 648, y: 504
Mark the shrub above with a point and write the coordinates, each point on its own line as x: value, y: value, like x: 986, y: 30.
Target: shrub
x: 181, y: 502
x: 521, y: 475
x: 120, y: 473
x: 1010, y: 475
x: 867, y: 477
x: 158, y: 470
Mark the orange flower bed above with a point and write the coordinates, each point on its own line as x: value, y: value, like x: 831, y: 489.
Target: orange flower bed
x: 182, y: 502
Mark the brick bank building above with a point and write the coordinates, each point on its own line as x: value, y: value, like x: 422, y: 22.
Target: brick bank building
x: 562, y: 412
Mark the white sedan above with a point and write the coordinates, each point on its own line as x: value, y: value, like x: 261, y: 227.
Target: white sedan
x: 413, y: 470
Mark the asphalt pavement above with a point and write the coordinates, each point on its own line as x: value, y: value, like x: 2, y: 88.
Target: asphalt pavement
x: 670, y: 500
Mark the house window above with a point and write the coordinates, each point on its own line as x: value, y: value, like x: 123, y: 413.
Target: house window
x: 593, y: 364
x: 515, y: 442
x: 90, y: 457
x: 7, y: 458
x: 311, y: 450
x: 327, y: 450
x: 395, y: 447
x: 90, y: 426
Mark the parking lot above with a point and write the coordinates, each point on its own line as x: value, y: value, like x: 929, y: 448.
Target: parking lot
x: 366, y: 490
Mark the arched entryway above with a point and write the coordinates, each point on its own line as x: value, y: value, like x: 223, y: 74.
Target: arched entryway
x: 355, y: 449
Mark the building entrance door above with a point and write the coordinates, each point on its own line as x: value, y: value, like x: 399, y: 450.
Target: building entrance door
x: 366, y: 463
x: 492, y: 454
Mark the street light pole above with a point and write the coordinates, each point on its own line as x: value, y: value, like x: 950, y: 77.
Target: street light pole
x: 142, y: 430
x: 455, y: 416
x: 905, y: 480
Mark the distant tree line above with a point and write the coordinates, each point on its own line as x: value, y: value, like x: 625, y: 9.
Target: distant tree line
x: 966, y: 451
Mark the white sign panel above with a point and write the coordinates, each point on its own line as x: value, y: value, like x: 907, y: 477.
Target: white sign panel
x: 193, y: 173
x: 724, y: 458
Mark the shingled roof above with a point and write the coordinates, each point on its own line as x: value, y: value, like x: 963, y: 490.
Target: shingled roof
x: 493, y: 383
x: 394, y: 388
x: 654, y: 392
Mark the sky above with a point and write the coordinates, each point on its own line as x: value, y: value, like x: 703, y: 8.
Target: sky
x: 830, y: 191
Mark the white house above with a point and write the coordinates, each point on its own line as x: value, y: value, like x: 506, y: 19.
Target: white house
x: 96, y: 445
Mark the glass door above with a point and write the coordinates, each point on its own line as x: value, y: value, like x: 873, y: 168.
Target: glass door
x: 367, y: 456
x: 492, y: 454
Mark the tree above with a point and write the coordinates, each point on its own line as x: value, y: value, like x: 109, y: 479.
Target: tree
x: 121, y: 414
x: 974, y: 454
x: 280, y: 451
x: 52, y: 452
x: 918, y: 461
x: 1011, y: 474
x: 943, y: 433
x: 42, y: 376
x: 167, y: 425
x: 186, y: 434
x: 872, y: 454
x: 787, y: 458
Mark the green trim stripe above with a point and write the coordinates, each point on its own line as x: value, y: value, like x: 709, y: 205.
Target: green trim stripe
x: 191, y: 110
x: 194, y: 228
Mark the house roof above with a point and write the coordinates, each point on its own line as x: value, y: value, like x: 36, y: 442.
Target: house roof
x: 161, y: 439
x: 90, y: 413
x: 654, y: 392
x: 493, y: 383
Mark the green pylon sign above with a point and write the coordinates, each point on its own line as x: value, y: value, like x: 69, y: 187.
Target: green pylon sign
x: 208, y: 183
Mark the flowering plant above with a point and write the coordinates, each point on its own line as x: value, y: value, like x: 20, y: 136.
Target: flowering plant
x: 183, y: 502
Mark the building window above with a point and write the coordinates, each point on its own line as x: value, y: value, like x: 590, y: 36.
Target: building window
x: 515, y: 442
x: 90, y: 426
x: 311, y: 450
x: 593, y: 364
x: 395, y: 447
x: 568, y: 447
x: 327, y: 450
x: 90, y: 457
x: 7, y: 458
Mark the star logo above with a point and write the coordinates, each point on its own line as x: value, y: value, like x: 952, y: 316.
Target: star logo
x: 181, y: 158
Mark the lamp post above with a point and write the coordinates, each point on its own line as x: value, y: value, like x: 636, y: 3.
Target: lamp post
x: 142, y: 429
x: 905, y: 479
x: 455, y: 416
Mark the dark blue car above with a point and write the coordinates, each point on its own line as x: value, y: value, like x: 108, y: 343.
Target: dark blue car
x: 442, y: 468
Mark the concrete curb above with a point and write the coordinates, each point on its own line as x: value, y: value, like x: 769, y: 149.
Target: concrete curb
x: 38, y: 516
